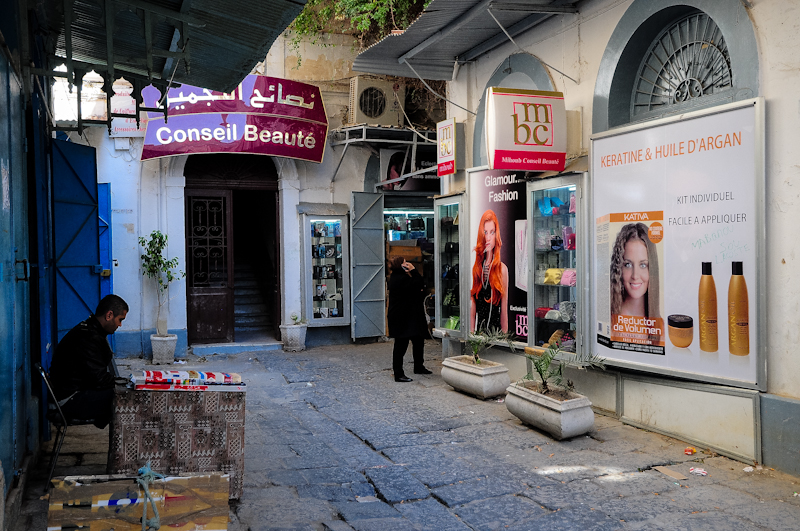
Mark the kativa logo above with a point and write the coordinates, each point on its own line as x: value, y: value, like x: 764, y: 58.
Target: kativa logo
x: 533, y: 124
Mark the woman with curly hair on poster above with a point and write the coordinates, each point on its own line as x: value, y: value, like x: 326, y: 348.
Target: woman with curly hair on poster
x: 489, y: 294
x: 634, y: 273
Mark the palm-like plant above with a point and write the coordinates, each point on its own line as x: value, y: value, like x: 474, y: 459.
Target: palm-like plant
x: 480, y: 341
x: 551, y: 374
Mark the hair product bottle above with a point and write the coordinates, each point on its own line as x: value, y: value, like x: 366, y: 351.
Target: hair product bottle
x: 707, y: 305
x: 738, y: 317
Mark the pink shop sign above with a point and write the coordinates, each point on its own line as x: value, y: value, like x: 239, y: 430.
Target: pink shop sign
x: 263, y: 115
x: 235, y: 133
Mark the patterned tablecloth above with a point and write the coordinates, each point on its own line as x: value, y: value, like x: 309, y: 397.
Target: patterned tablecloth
x: 179, y: 431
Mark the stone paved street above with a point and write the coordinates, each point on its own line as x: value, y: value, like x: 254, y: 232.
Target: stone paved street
x: 332, y: 442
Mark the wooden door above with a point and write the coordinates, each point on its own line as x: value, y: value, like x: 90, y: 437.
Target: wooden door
x: 209, y: 264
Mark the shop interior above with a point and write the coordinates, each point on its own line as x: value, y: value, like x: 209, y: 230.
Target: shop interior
x: 409, y: 232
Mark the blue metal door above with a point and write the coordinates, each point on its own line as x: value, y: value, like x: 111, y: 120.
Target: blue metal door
x: 104, y: 233
x: 14, y: 275
x: 75, y: 227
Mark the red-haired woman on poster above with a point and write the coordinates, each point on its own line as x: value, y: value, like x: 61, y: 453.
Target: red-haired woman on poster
x: 489, y: 294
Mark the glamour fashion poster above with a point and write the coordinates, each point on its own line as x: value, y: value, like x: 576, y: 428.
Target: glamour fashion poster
x: 498, y: 252
x: 678, y: 223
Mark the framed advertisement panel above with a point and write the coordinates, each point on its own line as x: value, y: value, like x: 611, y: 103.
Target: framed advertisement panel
x: 678, y: 233
x: 498, y: 222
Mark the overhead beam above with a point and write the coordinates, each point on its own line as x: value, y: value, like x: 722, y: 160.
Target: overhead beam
x: 443, y: 33
x: 170, y: 63
x: 180, y: 15
x: 111, y: 12
x: 528, y: 8
x: 489, y: 44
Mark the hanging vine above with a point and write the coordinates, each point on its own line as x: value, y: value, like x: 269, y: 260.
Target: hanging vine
x: 368, y: 20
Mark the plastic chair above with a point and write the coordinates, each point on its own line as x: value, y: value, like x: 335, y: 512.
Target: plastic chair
x: 56, y: 416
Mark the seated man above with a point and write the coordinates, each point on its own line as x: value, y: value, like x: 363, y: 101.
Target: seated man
x: 82, y: 373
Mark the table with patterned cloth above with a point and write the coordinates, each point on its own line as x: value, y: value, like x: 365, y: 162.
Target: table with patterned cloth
x: 179, y: 431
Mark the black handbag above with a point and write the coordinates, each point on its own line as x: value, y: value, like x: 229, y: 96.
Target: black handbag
x: 451, y: 247
x: 452, y: 273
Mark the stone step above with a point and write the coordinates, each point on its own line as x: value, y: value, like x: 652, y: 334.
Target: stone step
x: 253, y: 328
x: 250, y: 319
x: 245, y: 283
x: 258, y: 308
x: 252, y: 298
x: 246, y: 291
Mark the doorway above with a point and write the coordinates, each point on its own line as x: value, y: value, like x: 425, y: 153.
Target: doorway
x: 255, y: 258
x: 232, y: 249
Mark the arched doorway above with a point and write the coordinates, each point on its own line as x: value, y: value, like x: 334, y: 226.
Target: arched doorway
x: 232, y: 249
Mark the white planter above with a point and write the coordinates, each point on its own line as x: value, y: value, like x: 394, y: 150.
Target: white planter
x: 561, y: 419
x: 163, y: 348
x: 485, y: 380
x: 294, y: 337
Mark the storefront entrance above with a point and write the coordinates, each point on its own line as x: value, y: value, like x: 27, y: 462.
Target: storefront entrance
x: 408, y: 223
x: 232, y: 243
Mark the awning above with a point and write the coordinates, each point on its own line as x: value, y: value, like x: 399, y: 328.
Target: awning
x: 450, y: 33
x: 207, y: 43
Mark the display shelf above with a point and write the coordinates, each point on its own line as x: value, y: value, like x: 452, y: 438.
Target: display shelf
x: 565, y: 215
x: 447, y: 253
x: 544, y: 257
x: 327, y: 286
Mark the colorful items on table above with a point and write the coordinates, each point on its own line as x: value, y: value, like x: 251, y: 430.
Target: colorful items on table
x: 187, y: 381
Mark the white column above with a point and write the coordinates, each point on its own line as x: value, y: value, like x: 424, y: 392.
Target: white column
x: 291, y: 265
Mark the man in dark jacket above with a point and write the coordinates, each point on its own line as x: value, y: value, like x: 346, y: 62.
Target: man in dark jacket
x: 82, y: 373
x: 406, y: 316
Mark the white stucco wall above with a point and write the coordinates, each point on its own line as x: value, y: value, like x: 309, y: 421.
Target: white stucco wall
x: 144, y: 197
x: 575, y: 44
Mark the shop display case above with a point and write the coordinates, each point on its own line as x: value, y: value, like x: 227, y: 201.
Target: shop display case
x: 554, y: 299
x: 408, y: 225
x: 448, y: 265
x: 326, y: 251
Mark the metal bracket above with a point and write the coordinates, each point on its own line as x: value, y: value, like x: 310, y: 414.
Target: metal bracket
x: 26, y: 270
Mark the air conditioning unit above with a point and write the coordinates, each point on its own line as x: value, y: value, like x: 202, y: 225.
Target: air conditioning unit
x: 372, y: 102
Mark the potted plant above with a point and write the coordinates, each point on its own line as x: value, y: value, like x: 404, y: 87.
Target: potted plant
x: 294, y: 335
x: 476, y: 376
x: 157, y: 267
x: 551, y: 403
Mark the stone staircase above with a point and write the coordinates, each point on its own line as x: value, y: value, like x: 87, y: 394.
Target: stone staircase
x: 251, y: 308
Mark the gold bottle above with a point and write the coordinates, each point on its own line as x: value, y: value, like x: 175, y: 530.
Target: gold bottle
x: 738, y: 316
x: 707, y: 303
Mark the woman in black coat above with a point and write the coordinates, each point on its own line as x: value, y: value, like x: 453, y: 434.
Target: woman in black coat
x: 406, y: 316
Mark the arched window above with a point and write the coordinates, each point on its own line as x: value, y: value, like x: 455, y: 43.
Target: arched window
x: 687, y: 61
x: 674, y: 56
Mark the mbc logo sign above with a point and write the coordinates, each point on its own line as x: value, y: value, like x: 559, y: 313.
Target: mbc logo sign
x: 533, y: 124
x: 446, y: 141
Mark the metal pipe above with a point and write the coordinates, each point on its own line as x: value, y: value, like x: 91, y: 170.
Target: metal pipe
x: 525, y: 51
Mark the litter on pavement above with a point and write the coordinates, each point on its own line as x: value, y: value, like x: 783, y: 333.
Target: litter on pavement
x: 671, y: 473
